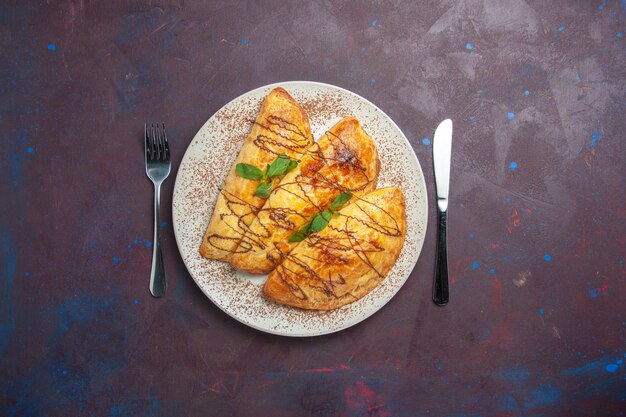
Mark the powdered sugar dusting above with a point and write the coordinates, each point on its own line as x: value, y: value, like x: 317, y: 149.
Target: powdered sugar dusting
x: 203, y: 171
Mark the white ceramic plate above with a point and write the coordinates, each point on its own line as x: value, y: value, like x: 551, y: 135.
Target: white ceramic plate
x: 202, y: 174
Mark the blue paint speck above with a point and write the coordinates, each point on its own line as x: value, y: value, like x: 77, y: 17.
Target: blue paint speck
x: 561, y: 28
x: 577, y: 77
x: 374, y: 22
x: 469, y: 46
x: 136, y: 301
x: 471, y: 118
x: 601, y: 7
x: 362, y: 49
x: 593, y: 293
x: 29, y: 150
x: 471, y: 235
x: 426, y: 141
x: 510, y: 115
x: 492, y: 271
x: 513, y: 166
x: 505, y: 259
x: 541, y: 311
x: 507, y: 200
x: 52, y: 47
x: 136, y: 241
x: 116, y: 260
x: 547, y: 257
x: 611, y: 368
x: 592, y: 367
x: 128, y: 246
x: 26, y: 273
x: 148, y: 244
x: 164, y: 224
x: 619, y: 362
x: 620, y: 35
x: 595, y: 137
x: 526, y: 93
x: 244, y: 41
x: 129, y: 212
x: 372, y: 82
x: 475, y: 265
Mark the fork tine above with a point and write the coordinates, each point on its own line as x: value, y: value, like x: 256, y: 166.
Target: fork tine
x: 156, y: 144
x: 157, y: 154
x: 151, y: 138
x: 160, y: 143
x: 166, y: 145
x: 153, y: 146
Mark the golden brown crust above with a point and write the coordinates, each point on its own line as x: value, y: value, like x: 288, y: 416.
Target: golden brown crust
x: 347, y: 259
x: 344, y: 159
x: 282, y: 126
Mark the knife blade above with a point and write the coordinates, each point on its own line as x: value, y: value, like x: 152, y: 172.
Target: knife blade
x: 442, y: 157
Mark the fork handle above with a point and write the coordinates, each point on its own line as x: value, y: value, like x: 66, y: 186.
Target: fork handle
x: 441, y: 287
x: 158, y: 279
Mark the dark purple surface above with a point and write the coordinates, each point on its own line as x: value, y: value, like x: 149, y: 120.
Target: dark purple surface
x: 536, y: 322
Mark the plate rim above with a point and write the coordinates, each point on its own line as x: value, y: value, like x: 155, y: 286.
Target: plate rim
x: 285, y: 84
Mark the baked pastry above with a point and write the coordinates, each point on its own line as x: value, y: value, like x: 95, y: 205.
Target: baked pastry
x: 282, y: 126
x: 347, y: 259
x: 343, y: 160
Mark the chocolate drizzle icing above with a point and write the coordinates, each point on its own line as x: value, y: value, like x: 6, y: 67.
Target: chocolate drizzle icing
x: 277, y: 136
x: 329, y: 169
x: 337, y: 249
x: 292, y: 137
x: 346, y: 165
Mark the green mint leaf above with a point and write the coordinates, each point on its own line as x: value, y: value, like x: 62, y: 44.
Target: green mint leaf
x: 297, y: 237
x: 292, y: 164
x: 279, y: 166
x: 320, y: 221
x: 264, y: 189
x: 300, y: 234
x: 341, y: 199
x: 249, y: 172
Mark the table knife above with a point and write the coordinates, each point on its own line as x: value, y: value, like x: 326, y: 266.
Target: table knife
x: 442, y: 155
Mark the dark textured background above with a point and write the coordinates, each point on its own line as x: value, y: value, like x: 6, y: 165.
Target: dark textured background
x: 537, y: 240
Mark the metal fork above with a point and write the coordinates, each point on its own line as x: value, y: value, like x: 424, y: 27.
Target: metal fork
x: 158, y: 166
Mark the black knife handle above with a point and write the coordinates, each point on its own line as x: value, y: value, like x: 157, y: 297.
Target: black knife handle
x: 441, y: 286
